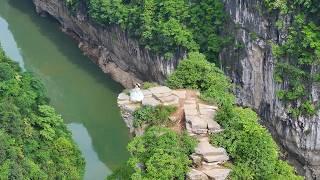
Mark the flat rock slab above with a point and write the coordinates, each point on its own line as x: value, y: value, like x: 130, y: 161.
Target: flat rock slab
x: 217, y: 174
x: 194, y: 174
x: 205, y: 106
x: 123, y: 102
x: 150, y: 101
x: 205, y: 148
x: 131, y: 107
x: 213, y: 126
x: 171, y: 99
x: 123, y: 97
x: 160, y: 90
x: 216, y: 158
x: 180, y: 93
x: 146, y: 93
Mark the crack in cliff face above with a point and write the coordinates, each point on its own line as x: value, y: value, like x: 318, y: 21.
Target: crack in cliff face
x: 110, y: 47
x: 252, y: 69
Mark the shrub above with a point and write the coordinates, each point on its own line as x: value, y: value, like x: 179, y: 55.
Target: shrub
x: 153, y: 115
x: 250, y: 146
x: 161, y: 154
x: 196, y: 72
x: 147, y: 85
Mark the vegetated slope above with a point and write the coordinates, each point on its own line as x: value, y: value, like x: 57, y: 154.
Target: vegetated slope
x: 254, y: 153
x: 34, y: 141
x: 164, y: 26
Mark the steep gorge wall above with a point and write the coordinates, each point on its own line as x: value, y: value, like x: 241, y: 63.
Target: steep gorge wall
x: 251, y: 67
x: 112, y: 49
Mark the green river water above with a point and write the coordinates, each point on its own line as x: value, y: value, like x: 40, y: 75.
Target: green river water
x: 80, y: 92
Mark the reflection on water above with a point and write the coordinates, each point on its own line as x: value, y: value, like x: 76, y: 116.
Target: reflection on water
x: 79, y: 91
x: 9, y: 44
x: 94, y: 166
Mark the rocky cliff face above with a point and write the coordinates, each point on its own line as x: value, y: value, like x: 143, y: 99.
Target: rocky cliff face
x: 109, y: 47
x: 251, y: 66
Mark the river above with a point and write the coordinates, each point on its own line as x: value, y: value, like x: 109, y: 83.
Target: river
x: 79, y: 91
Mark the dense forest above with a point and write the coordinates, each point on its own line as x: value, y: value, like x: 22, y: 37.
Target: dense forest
x: 34, y: 141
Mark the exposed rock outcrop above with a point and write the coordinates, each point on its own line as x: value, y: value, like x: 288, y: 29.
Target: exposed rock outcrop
x: 251, y: 67
x: 110, y: 47
x: 197, y: 118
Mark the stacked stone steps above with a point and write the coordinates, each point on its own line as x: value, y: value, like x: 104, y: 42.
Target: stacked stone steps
x: 207, y: 159
x: 199, y: 117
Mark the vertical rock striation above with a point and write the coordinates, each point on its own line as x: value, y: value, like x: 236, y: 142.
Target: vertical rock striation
x: 250, y: 65
x: 110, y: 47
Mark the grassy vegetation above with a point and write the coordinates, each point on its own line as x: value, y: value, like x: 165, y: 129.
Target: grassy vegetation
x: 147, y: 85
x: 152, y: 116
x: 34, y: 141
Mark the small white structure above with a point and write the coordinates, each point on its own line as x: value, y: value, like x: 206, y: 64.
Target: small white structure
x: 136, y: 94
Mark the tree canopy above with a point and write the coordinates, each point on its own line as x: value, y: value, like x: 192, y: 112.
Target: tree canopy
x: 34, y: 141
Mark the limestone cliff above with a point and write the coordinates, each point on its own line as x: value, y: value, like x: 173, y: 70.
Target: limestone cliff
x: 112, y: 49
x: 251, y: 67
x: 249, y: 64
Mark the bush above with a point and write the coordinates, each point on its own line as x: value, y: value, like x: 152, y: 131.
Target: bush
x: 122, y: 173
x: 250, y: 146
x: 196, y: 72
x: 161, y: 154
x: 153, y: 115
x: 147, y: 85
